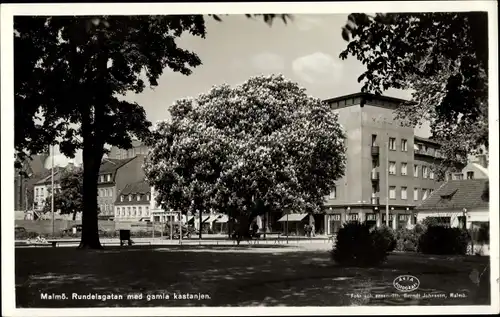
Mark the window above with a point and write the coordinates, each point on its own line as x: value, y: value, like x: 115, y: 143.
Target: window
x: 404, y: 145
x: 128, y: 211
x: 135, y: 212
x: 425, y: 171
x: 129, y: 197
x: 121, y: 198
x: 106, y: 192
x: 138, y: 197
x: 374, y: 139
x: 392, y: 192
x: 424, y: 194
x: 333, y: 194
x: 117, y: 211
x: 415, y: 170
x: 458, y: 176
x: 415, y: 194
x: 106, y: 207
x: 392, y: 144
x: 36, y: 191
x: 102, y: 178
x: 147, y: 197
x: 431, y: 174
x: 147, y: 211
x: 352, y: 217
x: 101, y: 192
x: 392, y: 168
x: 108, y: 177
x: 111, y: 192
x: 404, y: 168
x: 404, y: 194
x: 140, y: 211
x: 470, y: 175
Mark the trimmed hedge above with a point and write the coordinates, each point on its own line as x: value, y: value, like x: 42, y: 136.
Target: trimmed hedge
x: 443, y: 240
x: 357, y: 245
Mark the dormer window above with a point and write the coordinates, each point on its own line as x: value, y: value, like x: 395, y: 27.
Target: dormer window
x: 138, y: 197
x: 129, y: 197
x: 108, y: 177
x: 121, y: 198
x: 147, y: 197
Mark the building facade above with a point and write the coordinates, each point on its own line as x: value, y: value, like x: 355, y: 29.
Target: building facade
x: 138, y: 148
x: 386, y: 165
x: 133, y: 201
x: 43, y: 188
x: 457, y: 201
x: 114, y: 176
x: 24, y: 183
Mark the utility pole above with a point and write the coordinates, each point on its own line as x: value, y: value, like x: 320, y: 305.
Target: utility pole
x: 53, y: 191
x: 387, y: 183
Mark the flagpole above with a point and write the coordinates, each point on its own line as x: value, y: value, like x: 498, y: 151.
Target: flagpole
x: 387, y: 184
x: 53, y: 190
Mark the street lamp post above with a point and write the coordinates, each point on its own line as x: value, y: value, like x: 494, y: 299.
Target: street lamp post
x: 53, y: 191
x: 387, y: 184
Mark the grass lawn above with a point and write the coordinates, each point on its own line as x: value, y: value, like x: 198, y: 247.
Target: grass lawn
x: 235, y: 276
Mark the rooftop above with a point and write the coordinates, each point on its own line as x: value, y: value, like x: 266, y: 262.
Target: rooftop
x: 111, y: 165
x: 466, y: 193
x: 366, y: 97
x: 141, y: 187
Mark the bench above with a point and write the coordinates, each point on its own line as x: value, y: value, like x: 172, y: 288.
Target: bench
x: 52, y: 243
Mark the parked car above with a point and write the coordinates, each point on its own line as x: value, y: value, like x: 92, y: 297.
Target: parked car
x: 187, y: 231
x: 145, y: 219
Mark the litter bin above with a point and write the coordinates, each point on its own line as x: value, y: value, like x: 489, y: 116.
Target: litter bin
x: 125, y: 236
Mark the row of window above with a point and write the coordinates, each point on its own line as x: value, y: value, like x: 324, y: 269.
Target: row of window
x: 427, y: 172
x: 460, y: 176
x: 105, y: 178
x: 125, y: 154
x: 369, y: 217
x: 132, y: 211
x: 105, y: 192
x: 131, y: 197
x: 404, y: 146
x: 404, y: 193
x: 40, y: 191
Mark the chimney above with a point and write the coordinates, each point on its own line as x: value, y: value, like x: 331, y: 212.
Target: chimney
x: 482, y: 159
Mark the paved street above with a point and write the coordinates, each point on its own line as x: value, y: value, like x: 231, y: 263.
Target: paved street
x: 302, y: 274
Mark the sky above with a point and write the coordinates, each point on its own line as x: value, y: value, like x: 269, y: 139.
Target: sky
x: 304, y: 50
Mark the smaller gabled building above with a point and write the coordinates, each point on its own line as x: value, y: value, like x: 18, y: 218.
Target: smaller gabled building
x: 457, y: 201
x: 132, y: 203
x: 114, y: 176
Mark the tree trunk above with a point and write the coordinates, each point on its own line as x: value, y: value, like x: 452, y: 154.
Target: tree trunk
x: 201, y: 224
x: 74, y: 215
x: 90, y: 234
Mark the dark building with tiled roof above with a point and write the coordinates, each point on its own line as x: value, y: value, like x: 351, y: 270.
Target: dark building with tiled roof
x: 133, y: 202
x: 457, y: 199
x: 25, y: 178
x: 114, y: 175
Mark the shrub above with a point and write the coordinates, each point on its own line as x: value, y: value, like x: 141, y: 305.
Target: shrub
x: 482, y: 236
x: 388, y: 234
x: 357, y: 245
x: 407, y: 239
x: 443, y: 240
x: 23, y: 235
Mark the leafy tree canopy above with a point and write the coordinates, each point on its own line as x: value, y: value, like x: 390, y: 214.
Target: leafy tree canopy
x: 442, y: 58
x: 69, y: 198
x: 262, y: 145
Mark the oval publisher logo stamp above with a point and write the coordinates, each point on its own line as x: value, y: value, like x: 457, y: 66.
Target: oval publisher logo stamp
x: 406, y: 283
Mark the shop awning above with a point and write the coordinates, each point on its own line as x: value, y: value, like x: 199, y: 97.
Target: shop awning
x: 292, y: 217
x: 211, y: 219
x: 204, y: 218
x: 222, y: 219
